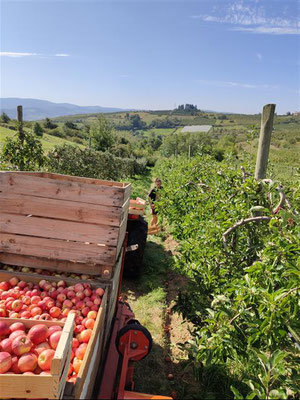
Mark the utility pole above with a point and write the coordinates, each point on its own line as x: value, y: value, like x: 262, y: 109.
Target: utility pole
x: 21, y: 132
x: 190, y: 147
x: 266, y: 127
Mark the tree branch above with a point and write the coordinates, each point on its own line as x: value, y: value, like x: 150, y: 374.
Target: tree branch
x: 243, y: 222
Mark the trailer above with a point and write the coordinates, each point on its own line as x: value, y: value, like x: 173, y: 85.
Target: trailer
x: 58, y: 227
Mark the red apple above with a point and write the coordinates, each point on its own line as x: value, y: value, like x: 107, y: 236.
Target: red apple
x: 54, y: 328
x: 61, y: 284
x: 13, y: 281
x: 21, y: 345
x: 80, y: 352
x: 16, y: 305
x: 17, y: 326
x: 4, y: 330
x: 85, y: 311
x: 42, y: 283
x: 85, y: 335
x: 45, y: 317
x: 67, y: 304
x: 99, y: 291
x: 92, y: 315
x: 39, y: 348
x: 89, y: 324
x: 35, y: 299
x: 75, y: 343
x: 25, y: 314
x: 4, y: 286
x: 5, y: 362
x: 22, y: 284
x: 71, y: 294
x: 5, y: 345
x: 26, y: 300
x: 14, y: 366
x: 61, y: 297
x: 38, y: 333
x: 45, y: 373
x: 27, y: 362
x: 54, y: 339
x: 45, y: 359
x: 87, y: 292
x: 77, y: 364
x: 54, y: 312
x: 13, y: 314
x: 36, y: 311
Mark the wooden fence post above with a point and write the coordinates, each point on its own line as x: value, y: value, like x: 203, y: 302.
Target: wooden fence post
x: 264, y: 141
x: 21, y: 132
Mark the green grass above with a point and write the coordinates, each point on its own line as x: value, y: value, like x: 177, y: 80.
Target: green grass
x: 48, y: 141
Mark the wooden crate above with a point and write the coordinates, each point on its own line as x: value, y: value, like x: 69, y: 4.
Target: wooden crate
x: 137, y: 206
x: 93, y: 354
x: 60, y: 222
x: 49, y: 387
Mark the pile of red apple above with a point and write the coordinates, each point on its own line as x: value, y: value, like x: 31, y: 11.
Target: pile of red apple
x: 40, y: 271
x: 46, y: 301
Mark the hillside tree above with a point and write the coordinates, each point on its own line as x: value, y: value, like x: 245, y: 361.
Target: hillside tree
x: 5, y: 118
x: 102, y: 134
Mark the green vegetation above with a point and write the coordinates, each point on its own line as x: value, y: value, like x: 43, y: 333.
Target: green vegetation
x: 243, y: 299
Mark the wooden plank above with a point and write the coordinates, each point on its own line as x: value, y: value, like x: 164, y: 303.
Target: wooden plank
x: 60, y: 209
x: 134, y: 211
x: 125, y: 209
x: 127, y: 191
x: 122, y: 233
x: 64, y: 375
x: 5, y: 276
x: 56, y: 249
x: 72, y: 178
x: 13, y: 182
x: 99, y: 325
x: 57, y: 229
x: 29, y: 386
x: 63, y: 347
x: 29, y: 323
x: 104, y: 271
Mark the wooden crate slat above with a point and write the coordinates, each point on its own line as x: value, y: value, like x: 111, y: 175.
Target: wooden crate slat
x: 57, y: 229
x: 99, y: 323
x: 57, y: 265
x: 56, y: 249
x: 63, y: 347
x: 59, y: 209
x: 29, y: 323
x: 122, y: 232
x: 33, y: 387
x: 72, y: 178
x: 13, y: 182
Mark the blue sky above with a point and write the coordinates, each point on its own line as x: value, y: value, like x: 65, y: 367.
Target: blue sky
x: 222, y: 55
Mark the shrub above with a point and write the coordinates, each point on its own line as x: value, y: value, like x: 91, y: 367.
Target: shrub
x: 72, y: 160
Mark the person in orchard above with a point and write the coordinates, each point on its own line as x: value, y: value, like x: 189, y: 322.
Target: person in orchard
x: 153, y: 196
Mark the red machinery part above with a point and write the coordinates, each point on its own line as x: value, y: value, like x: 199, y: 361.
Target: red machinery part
x: 129, y: 342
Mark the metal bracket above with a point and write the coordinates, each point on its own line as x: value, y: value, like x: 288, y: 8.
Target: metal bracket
x: 133, y: 247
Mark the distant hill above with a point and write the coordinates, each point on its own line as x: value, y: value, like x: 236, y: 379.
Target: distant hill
x: 38, y: 109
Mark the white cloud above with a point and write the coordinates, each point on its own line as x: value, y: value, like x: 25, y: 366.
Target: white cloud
x: 236, y: 84
x: 61, y: 55
x: 23, y: 54
x: 269, y: 30
x: 14, y: 54
x: 252, y: 19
